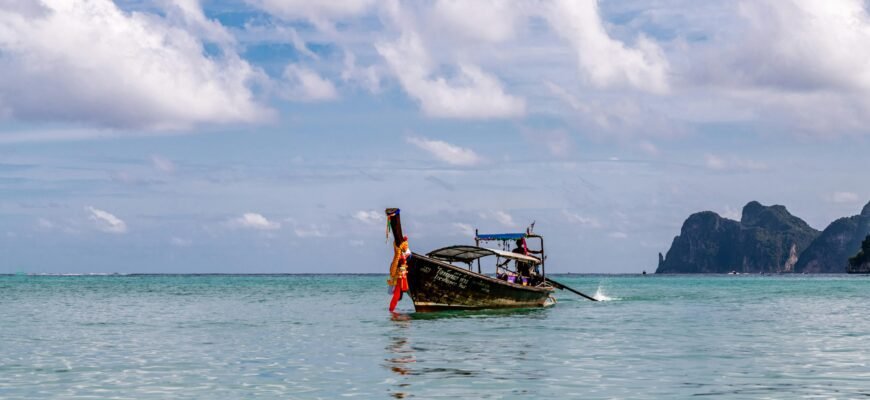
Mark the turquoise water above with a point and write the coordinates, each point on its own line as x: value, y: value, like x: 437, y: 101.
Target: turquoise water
x: 326, y: 337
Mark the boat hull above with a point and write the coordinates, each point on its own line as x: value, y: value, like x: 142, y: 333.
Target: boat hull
x: 436, y: 286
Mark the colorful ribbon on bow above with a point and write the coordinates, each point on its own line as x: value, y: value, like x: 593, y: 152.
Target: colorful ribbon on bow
x: 399, y: 272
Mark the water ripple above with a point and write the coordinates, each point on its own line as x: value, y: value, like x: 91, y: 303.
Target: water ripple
x: 325, y: 337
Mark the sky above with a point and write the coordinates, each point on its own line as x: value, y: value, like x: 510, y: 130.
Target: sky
x: 268, y: 136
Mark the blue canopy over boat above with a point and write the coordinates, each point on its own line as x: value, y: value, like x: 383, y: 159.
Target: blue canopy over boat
x: 501, y: 236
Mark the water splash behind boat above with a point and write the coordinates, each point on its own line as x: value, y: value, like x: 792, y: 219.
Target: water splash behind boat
x: 601, y: 296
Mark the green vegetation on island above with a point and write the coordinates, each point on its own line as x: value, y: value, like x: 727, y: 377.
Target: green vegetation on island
x: 860, y: 263
x: 830, y: 252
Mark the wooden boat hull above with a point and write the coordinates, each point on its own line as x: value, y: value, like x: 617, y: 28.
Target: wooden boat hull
x: 436, y: 286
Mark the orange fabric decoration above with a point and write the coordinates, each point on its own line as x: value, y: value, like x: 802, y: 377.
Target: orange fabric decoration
x: 400, y: 256
x: 399, y: 272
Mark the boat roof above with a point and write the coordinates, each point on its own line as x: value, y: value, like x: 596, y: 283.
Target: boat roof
x: 500, y: 236
x: 468, y: 254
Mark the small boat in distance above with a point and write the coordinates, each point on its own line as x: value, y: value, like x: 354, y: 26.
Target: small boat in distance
x: 445, y: 278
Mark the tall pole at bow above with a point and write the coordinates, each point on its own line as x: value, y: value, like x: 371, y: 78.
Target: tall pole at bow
x: 395, y: 224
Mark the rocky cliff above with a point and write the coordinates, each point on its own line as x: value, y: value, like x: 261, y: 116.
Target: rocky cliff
x: 860, y: 263
x: 830, y: 252
x: 766, y: 239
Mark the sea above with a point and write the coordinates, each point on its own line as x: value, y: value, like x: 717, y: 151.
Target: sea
x: 331, y: 337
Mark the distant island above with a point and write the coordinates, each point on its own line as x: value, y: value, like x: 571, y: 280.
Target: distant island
x: 767, y: 239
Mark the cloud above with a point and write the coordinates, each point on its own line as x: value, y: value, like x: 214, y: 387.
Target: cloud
x: 844, y: 197
x: 106, y: 222
x: 303, y: 84
x: 558, y: 142
x: 480, y: 20
x: 800, y: 45
x: 463, y: 229
x: 180, y: 242
x: 453, y: 155
x: 714, y: 162
x: 368, y: 217
x: 368, y: 77
x: 604, y: 61
x: 87, y: 61
x: 320, y: 13
x: 163, y: 164
x: 254, y: 221
x: 731, y: 213
x: 625, y: 116
x: 310, y: 231
x: 44, y: 224
x: 560, y: 93
x: 799, y: 64
x: 68, y: 135
x: 273, y: 32
x: 578, y: 219
x: 617, y: 235
x: 189, y: 14
x: 504, y: 218
x: 733, y: 164
x: 470, y: 93
x: 501, y: 217
x: 649, y: 148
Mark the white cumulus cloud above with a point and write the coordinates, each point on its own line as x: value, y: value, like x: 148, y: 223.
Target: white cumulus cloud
x: 617, y: 235
x: 471, y: 93
x: 310, y: 231
x: 803, y: 45
x: 605, y: 61
x: 485, y: 20
x: 180, y: 242
x: 799, y: 64
x: 578, y: 219
x: 731, y: 213
x: 844, y: 197
x: 256, y: 221
x: 451, y: 154
x: 320, y: 13
x: 504, y: 218
x: 44, y: 224
x: 501, y: 217
x: 304, y: 84
x: 368, y: 77
x: 463, y: 229
x: 88, y: 61
x: 106, y: 222
x: 368, y: 217
x: 733, y: 164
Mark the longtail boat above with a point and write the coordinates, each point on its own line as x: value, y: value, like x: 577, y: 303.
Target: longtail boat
x: 445, y: 278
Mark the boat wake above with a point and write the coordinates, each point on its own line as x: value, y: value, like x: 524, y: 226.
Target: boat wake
x: 601, y: 296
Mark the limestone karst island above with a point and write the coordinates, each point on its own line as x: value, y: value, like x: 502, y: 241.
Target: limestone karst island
x: 767, y: 239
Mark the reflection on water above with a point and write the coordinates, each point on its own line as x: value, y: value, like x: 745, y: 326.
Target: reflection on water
x: 537, y: 312
x: 401, y: 354
x: 445, y: 360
